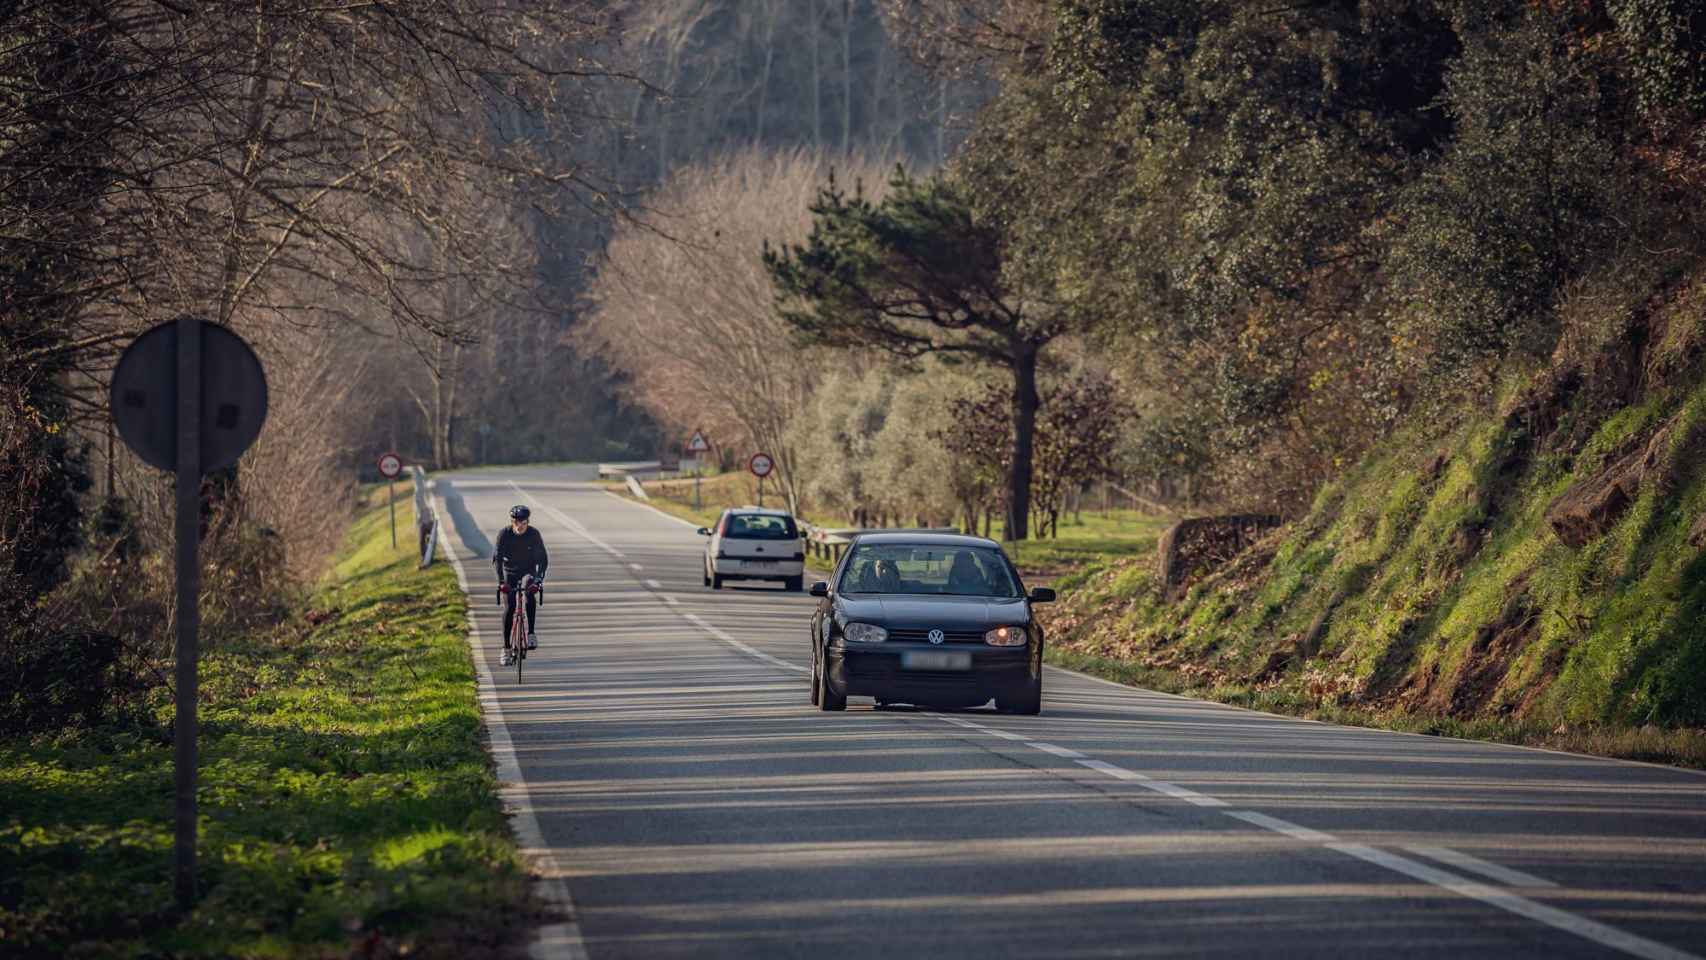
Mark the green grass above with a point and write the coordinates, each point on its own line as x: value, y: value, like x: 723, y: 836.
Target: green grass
x: 346, y: 800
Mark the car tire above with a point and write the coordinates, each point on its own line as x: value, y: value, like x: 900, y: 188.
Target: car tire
x: 1029, y: 703
x: 794, y: 584
x: 817, y: 671
x: 716, y: 581
x: 706, y: 573
x: 828, y: 700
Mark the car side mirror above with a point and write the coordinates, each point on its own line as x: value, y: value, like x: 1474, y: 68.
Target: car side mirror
x: 704, y: 531
x: 820, y: 588
x: 1042, y: 595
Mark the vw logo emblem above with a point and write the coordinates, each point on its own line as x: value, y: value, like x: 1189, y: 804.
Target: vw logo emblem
x: 937, y: 636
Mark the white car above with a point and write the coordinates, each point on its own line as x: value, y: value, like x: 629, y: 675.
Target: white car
x: 752, y: 543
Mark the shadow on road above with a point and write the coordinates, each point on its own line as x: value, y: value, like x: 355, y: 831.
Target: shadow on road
x: 466, y: 527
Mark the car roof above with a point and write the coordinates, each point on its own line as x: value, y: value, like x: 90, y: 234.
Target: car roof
x: 927, y: 539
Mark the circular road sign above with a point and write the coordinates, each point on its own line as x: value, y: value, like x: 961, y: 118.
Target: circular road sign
x: 761, y: 465
x: 144, y: 396
x: 390, y: 465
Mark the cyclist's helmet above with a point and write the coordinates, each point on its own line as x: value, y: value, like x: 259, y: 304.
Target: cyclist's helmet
x: 519, y: 512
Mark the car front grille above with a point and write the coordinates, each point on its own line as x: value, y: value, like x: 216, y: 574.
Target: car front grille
x: 923, y: 636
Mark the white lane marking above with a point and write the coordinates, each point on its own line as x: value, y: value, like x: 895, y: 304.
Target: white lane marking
x: 551, y: 941
x: 1150, y: 783
x: 1057, y: 751
x: 671, y: 601
x: 709, y: 628
x: 667, y: 516
x: 1521, y: 906
x: 1286, y: 827
x: 1463, y: 861
x: 636, y: 567
x: 1118, y: 773
x: 693, y: 618
x: 654, y: 584
x: 1550, y: 916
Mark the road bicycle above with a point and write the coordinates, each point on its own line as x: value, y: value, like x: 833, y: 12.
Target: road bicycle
x: 517, y: 628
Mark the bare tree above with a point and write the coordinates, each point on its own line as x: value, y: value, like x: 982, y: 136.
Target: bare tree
x: 683, y: 304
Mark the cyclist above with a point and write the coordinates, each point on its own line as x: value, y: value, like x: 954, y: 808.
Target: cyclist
x: 520, y: 551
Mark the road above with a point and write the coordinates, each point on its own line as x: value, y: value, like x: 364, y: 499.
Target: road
x: 671, y: 777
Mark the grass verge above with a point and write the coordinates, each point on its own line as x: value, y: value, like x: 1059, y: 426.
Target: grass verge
x: 346, y: 799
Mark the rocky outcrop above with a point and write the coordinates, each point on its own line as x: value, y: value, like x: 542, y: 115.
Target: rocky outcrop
x: 1592, y: 506
x: 1196, y: 546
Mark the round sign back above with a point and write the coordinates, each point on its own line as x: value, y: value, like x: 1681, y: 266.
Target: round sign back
x: 145, y: 389
x: 761, y: 465
x: 390, y: 465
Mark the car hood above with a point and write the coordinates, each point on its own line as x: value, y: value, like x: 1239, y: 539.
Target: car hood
x: 945, y: 613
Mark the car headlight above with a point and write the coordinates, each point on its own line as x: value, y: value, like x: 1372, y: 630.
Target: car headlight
x: 1005, y: 637
x: 864, y: 633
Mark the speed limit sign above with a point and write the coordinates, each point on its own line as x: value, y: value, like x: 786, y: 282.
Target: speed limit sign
x: 390, y: 465
x: 761, y: 465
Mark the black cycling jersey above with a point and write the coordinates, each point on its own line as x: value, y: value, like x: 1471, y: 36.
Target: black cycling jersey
x: 519, y: 554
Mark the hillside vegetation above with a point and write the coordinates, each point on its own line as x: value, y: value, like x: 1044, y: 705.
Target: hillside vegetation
x: 1535, y: 573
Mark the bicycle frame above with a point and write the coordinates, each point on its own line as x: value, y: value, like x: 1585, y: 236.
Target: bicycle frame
x: 516, y: 630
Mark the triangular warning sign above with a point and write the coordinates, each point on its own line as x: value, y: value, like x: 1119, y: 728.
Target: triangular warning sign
x: 698, y: 444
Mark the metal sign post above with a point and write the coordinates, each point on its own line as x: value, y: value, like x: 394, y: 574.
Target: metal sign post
x: 389, y: 466
x: 697, y: 446
x: 761, y: 464
x: 189, y: 397
x: 189, y: 611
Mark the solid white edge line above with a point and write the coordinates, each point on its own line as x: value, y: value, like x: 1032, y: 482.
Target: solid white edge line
x: 1437, y: 738
x: 555, y: 941
x: 1486, y: 868
x: 654, y: 584
x: 1286, y: 827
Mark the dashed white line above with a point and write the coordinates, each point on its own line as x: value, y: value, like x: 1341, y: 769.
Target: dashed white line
x: 654, y: 584
x: 1057, y: 751
x: 1463, y: 861
x: 1475, y: 890
x: 1514, y: 903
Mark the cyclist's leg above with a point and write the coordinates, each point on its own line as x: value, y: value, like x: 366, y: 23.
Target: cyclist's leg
x: 509, y: 613
x: 532, y: 616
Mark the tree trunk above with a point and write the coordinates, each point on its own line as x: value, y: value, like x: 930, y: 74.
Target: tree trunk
x: 1025, y: 403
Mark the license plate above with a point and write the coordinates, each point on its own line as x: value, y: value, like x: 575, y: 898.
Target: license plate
x: 761, y: 563
x: 935, y: 660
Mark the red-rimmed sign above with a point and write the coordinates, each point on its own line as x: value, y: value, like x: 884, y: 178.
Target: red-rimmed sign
x: 761, y: 465
x: 390, y: 465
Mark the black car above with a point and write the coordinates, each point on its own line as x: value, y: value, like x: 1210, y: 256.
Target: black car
x: 934, y: 619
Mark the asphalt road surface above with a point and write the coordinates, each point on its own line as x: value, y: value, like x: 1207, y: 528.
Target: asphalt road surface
x: 671, y: 776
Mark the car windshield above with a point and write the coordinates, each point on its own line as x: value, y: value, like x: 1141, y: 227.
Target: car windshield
x: 960, y: 571
x: 760, y: 526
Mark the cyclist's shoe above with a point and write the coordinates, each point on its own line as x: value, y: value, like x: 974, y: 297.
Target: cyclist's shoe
x: 508, y: 658
x: 533, y: 641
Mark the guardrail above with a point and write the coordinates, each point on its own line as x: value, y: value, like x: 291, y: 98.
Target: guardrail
x: 826, y: 543
x: 610, y: 471
x: 426, y: 522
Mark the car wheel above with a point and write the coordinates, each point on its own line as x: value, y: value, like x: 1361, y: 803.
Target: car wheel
x: 827, y: 699
x: 716, y: 581
x: 794, y: 584
x: 1029, y: 703
x: 706, y: 573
